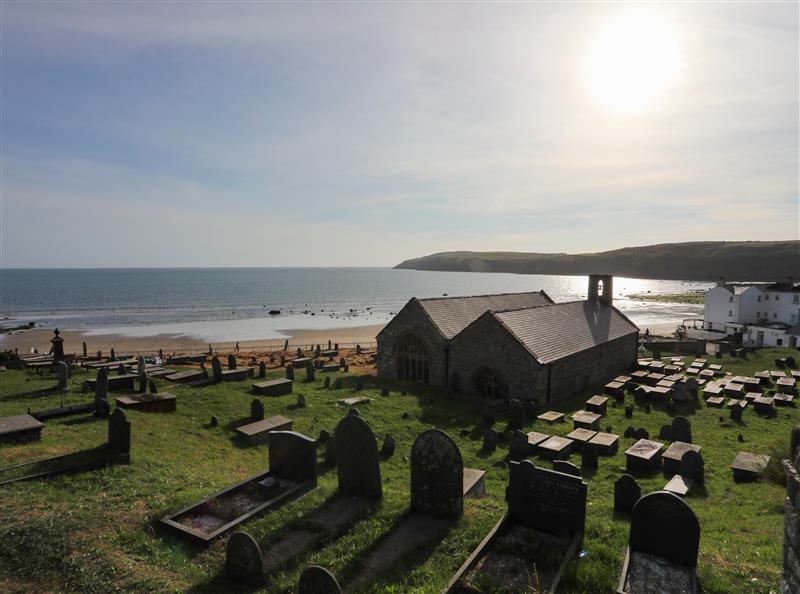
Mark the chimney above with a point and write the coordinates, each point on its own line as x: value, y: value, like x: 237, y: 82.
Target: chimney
x: 601, y: 286
x: 721, y: 282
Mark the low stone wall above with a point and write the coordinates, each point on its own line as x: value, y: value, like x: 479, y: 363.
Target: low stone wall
x: 686, y: 347
x: 790, y: 583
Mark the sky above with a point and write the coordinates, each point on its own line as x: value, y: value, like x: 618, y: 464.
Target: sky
x: 304, y: 134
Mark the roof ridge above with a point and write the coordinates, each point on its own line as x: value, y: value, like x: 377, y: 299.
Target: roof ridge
x: 540, y: 292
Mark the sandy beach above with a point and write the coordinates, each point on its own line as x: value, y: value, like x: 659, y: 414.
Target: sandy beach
x: 26, y: 341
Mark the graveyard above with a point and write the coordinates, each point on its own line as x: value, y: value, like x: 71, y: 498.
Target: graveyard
x: 103, y: 529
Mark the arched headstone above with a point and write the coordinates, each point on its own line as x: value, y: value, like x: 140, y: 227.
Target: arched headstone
x: 516, y: 414
x: 310, y: 373
x: 588, y: 457
x: 663, y: 524
x: 262, y: 370
x: 388, y: 447
x: 231, y: 362
x: 693, y: 466
x: 489, y: 440
x: 63, y: 376
x: 119, y: 432
x: 243, y: 559
x: 290, y: 372
x: 101, y: 385
x: 437, y: 475
x: 216, y: 369
x: 256, y: 410
x: 140, y: 365
x: 626, y: 493
x: 566, y: 467
x: 318, y: 580
x: 357, y: 464
x: 681, y: 429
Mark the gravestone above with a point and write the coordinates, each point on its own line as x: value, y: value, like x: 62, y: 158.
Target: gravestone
x: 293, y: 456
x: 85, y: 352
x: 317, y: 580
x: 489, y: 440
x: 337, y: 385
x: 216, y: 369
x: 342, y: 362
x: 357, y: 464
x: 566, y: 467
x: 330, y: 451
x: 262, y: 370
x: 317, y: 351
x: 58, y: 346
x: 63, y: 376
x: 152, y: 385
x: 256, y: 410
x: 140, y: 365
x: 693, y: 386
x: 290, y: 372
x: 299, y: 352
x: 119, y: 432
x: 629, y: 411
x: 666, y: 433
x: 99, y: 354
x: 324, y: 436
x: 681, y: 429
x: 589, y: 457
x: 310, y: 373
x: 630, y: 432
x: 626, y: 493
x: 231, y: 362
x: 519, y: 445
x: 437, y: 475
x: 546, y: 500
x: 286, y: 345
x: 243, y: 559
x: 641, y: 433
x: 336, y: 346
x: 161, y: 354
x: 516, y: 414
x: 680, y: 392
x: 327, y: 383
x: 359, y: 384
x: 329, y: 344
x: 388, y: 447
x: 214, y: 421
x: 693, y: 467
x: 101, y: 393
x: 736, y: 412
x: 142, y: 383
x: 283, y: 361
x: 354, y: 411
x: 121, y: 370
x: 113, y: 355
x: 301, y: 401
x: 662, y: 524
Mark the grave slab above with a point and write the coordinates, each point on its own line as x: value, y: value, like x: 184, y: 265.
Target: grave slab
x: 474, y: 483
x: 672, y: 457
x: 354, y: 401
x: 20, y: 428
x: 644, y: 455
x: 715, y: 401
x: 581, y: 436
x: 555, y: 448
x: 605, y: 443
x: 276, y: 387
x: 160, y: 402
x: 259, y: 431
x: 551, y: 416
x: 597, y: 404
x: 185, y: 376
x: 748, y: 466
x: 583, y: 419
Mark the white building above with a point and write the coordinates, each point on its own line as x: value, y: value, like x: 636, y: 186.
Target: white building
x: 764, y: 315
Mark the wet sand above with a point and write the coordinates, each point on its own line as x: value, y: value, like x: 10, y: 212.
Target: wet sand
x: 27, y: 340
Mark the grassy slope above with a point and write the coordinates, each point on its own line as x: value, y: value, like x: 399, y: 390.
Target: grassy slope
x: 91, y: 532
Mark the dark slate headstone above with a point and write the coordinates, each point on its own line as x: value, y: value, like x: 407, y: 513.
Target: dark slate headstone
x: 283, y: 361
x: 342, y: 362
x: 324, y: 436
x: 666, y: 433
x: 140, y: 366
x: 641, y: 433
x: 58, y: 346
x: 317, y: 580
x: 262, y: 370
x: 630, y: 432
x: 589, y: 457
x: 293, y: 456
x: 310, y: 373
x: 327, y: 383
x: 243, y: 559
x: 142, y: 380
x: 566, y: 467
x: 681, y: 429
x: 357, y: 464
x: 216, y: 369
x: 231, y: 362
x: 437, y: 475
x: 113, y: 355
x: 359, y: 384
x: 490, y: 440
x: 101, y: 385
x: 256, y: 410
x: 152, y: 385
x: 85, y: 352
x: 290, y: 372
x: 388, y: 447
x: 629, y: 411
x: 692, y: 385
x: 736, y: 412
x: 330, y: 451
x: 519, y: 445
x: 301, y: 401
x: 663, y: 524
x: 516, y: 414
x: 214, y: 420
x: 337, y: 385
x: 119, y: 432
x: 693, y: 467
x: 626, y: 493
x: 794, y: 443
x: 121, y: 370
x: 545, y: 500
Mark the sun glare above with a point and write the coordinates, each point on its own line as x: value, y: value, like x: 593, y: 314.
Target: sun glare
x: 633, y: 60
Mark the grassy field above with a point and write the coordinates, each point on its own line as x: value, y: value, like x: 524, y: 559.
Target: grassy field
x: 95, y: 531
x: 693, y: 297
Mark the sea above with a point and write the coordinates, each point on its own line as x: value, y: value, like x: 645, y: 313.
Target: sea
x: 229, y: 304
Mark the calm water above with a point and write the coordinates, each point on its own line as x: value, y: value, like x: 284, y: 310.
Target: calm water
x: 231, y: 304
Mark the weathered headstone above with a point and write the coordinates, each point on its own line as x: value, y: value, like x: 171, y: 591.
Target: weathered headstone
x: 566, y: 467
x: 310, y: 373
x: 693, y: 467
x: 641, y: 433
x: 626, y: 493
x: 681, y: 430
x: 101, y: 385
x: 327, y: 383
x: 317, y: 580
x: 121, y: 370
x: 58, y: 346
x: 216, y: 369
x: 231, y: 362
x: 516, y: 414
x: 214, y: 421
x: 589, y: 457
x: 489, y: 440
x: 301, y: 401
x: 140, y: 367
x: 663, y: 525
x: 85, y: 352
x: 358, y: 349
x: 153, y: 387
x: 256, y: 410
x: 736, y: 412
x: 119, y: 432
x: 142, y: 383
x: 337, y: 385
x: 290, y: 372
x: 113, y: 355
x: 629, y: 411
x: 342, y: 362
x: 262, y: 370
x: 63, y: 376
x: 243, y: 559
x: 357, y: 463
x: 388, y: 447
x: 437, y: 475
x: 666, y: 433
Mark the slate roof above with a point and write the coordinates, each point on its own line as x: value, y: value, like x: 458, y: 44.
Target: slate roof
x: 563, y: 329
x: 452, y: 314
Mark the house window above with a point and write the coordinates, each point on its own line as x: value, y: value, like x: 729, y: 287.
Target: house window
x: 759, y: 298
x: 777, y: 297
x: 774, y: 316
x: 779, y: 341
x: 730, y: 314
x: 766, y: 297
x: 412, y: 360
x: 487, y: 383
x: 730, y: 299
x: 796, y: 299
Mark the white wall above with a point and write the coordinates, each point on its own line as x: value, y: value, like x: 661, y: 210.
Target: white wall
x: 721, y: 307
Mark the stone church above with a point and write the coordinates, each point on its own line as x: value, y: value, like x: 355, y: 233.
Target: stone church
x: 510, y: 346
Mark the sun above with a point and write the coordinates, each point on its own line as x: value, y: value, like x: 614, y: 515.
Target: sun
x: 633, y: 61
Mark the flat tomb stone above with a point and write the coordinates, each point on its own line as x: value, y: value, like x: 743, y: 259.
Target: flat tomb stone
x: 783, y: 399
x: 330, y: 368
x: 276, y: 387
x: 237, y: 375
x: 586, y: 420
x: 680, y: 485
x: 639, y: 376
x: 715, y: 366
x: 19, y: 428
x: 581, y: 436
x: 474, y: 483
x: 654, y: 378
x: 777, y: 374
x: 605, y: 443
x: 712, y: 390
x: 763, y: 405
x: 301, y: 362
x: 354, y: 401
x: 551, y: 416
x: 115, y: 382
x: 672, y: 457
x: 715, y: 401
x: 258, y: 432
x: 623, y: 379
x: 748, y: 466
x: 185, y: 376
x: 555, y: 448
x: 160, y: 402
x: 734, y: 402
x: 614, y: 387
x: 535, y: 438
x: 708, y: 373
x: 160, y: 372
x: 750, y: 396
x: 597, y: 404
x: 643, y: 455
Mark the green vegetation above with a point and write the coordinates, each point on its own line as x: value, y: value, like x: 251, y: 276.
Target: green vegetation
x: 699, y: 260
x: 95, y: 531
x: 693, y: 297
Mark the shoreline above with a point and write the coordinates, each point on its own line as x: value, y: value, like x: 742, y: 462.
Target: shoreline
x: 27, y: 340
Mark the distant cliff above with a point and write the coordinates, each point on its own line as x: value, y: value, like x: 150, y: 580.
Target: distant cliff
x: 746, y: 261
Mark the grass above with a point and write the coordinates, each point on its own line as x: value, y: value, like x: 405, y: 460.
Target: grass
x: 694, y: 297
x: 95, y: 531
